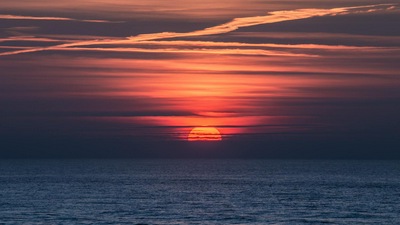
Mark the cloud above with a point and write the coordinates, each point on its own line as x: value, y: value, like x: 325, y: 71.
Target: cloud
x: 202, y: 47
x: 19, y: 17
x: 29, y: 38
x: 328, y: 38
x: 240, y: 44
x: 202, y: 51
x: 272, y: 17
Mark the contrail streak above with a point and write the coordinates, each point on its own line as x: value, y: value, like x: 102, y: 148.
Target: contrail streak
x: 272, y: 17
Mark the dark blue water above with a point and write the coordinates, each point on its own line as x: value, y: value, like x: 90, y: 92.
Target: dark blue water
x: 199, y: 192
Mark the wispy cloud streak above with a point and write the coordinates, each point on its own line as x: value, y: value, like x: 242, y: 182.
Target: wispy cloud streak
x: 20, y: 17
x: 203, y: 51
x: 272, y: 17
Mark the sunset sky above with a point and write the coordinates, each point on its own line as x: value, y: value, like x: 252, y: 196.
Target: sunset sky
x: 132, y: 78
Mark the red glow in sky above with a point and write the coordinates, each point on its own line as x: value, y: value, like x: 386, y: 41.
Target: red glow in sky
x: 152, y: 69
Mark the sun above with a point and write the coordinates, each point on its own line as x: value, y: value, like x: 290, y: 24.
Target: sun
x: 204, y: 134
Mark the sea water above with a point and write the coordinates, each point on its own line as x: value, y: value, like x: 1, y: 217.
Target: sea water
x: 199, y: 192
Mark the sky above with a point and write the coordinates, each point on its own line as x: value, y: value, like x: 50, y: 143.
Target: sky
x: 136, y: 78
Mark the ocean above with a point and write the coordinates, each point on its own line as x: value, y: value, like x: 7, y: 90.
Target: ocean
x: 167, y: 191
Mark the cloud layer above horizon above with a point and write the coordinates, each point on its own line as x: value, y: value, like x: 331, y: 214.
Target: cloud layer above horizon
x: 152, y: 70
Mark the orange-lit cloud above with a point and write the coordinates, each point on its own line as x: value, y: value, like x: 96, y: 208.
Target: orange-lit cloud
x: 256, y: 70
x: 20, y: 17
x: 194, y: 47
x: 272, y: 17
x: 149, y: 9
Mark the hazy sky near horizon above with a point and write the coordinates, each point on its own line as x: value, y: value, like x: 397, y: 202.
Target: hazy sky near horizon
x: 259, y: 71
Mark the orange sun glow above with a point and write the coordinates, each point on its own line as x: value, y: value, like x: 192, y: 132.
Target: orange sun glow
x: 204, y: 134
